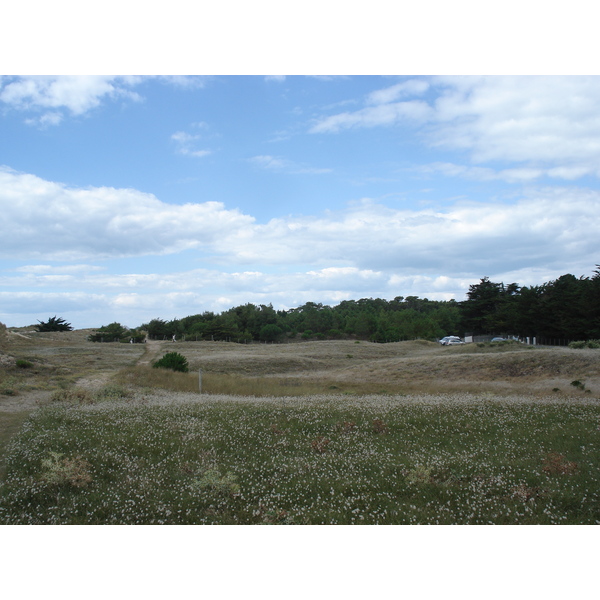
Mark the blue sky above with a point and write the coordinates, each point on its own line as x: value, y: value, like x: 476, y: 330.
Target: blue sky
x: 128, y: 198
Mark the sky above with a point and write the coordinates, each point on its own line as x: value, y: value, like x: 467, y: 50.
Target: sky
x: 131, y: 197
x: 128, y: 198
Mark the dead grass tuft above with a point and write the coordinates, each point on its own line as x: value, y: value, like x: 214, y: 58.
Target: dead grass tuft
x: 76, y: 396
x: 556, y: 464
x: 379, y: 426
x: 62, y: 470
x: 319, y: 444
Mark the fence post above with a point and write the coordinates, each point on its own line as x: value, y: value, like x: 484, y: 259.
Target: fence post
x: 200, y: 381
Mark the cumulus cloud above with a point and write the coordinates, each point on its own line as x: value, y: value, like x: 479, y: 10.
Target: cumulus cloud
x: 545, y: 119
x: 546, y: 225
x: 47, y: 219
x: 365, y: 250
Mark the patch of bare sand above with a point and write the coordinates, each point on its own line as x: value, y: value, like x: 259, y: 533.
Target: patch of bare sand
x: 25, y: 401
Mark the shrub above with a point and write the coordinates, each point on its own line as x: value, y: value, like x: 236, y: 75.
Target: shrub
x: 24, y: 364
x: 585, y: 344
x: 173, y: 361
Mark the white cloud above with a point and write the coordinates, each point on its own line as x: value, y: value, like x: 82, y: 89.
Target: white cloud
x: 43, y: 219
x: 275, y: 163
x: 185, y: 142
x: 548, y: 226
x: 544, y: 126
x: 50, y: 220
x: 373, y: 116
x: 544, y: 119
x: 411, y: 87
x: 365, y: 250
x: 52, y: 97
x: 53, y: 94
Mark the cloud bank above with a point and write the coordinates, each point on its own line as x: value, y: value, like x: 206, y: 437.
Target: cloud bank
x: 44, y: 219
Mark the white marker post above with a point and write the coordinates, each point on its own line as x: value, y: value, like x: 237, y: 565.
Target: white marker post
x: 200, y: 380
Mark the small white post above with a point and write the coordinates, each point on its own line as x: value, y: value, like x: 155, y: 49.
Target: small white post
x: 200, y: 380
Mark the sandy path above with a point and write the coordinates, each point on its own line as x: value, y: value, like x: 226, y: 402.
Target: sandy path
x: 153, y: 349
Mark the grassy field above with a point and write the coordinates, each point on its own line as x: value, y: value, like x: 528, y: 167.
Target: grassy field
x: 302, y: 433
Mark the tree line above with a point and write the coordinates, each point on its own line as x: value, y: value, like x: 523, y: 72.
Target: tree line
x: 566, y: 308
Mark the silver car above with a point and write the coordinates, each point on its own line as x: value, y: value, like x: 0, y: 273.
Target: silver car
x: 445, y: 341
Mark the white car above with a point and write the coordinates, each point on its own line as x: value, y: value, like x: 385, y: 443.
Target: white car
x: 454, y: 343
x: 445, y: 341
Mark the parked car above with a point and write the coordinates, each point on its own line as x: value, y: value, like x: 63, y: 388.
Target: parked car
x: 499, y: 339
x: 454, y: 342
x: 445, y: 340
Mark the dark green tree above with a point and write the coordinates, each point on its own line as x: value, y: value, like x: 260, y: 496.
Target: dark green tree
x: 271, y: 333
x: 115, y: 332
x: 54, y: 324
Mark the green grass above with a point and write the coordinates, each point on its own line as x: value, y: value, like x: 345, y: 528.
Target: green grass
x: 10, y: 423
x: 312, y: 460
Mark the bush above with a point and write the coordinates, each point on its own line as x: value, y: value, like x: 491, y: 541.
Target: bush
x: 111, y: 333
x: 24, y: 364
x: 173, y: 361
x: 588, y: 344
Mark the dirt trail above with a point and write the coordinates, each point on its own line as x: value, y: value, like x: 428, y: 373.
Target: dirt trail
x: 95, y: 382
x: 153, y: 348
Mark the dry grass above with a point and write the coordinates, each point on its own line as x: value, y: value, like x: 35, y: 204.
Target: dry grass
x: 403, y: 367
x: 61, y: 360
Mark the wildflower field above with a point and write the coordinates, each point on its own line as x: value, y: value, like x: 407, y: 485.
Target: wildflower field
x: 180, y: 458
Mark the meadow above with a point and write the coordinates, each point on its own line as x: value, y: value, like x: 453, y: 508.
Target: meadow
x: 307, y: 433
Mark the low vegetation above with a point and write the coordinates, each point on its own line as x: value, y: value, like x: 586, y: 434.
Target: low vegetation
x: 361, y: 460
x: 173, y: 361
x: 314, y: 432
